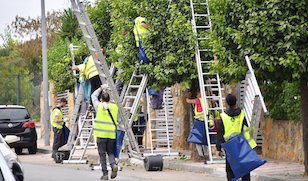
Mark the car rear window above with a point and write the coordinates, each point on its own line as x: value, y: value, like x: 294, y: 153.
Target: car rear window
x: 13, y: 114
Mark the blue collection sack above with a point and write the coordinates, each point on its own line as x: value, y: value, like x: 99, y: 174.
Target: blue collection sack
x: 143, y: 59
x: 119, y: 141
x: 241, y: 157
x: 66, y: 133
x: 197, y: 134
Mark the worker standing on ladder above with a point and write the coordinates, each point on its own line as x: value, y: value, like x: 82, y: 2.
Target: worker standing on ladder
x: 141, y: 30
x: 104, y: 129
x: 233, y: 123
x: 89, y: 69
x: 56, y: 118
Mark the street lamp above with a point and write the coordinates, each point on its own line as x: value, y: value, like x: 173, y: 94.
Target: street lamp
x: 45, y: 76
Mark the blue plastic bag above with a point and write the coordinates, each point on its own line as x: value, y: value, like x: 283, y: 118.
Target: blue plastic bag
x: 197, y: 134
x: 241, y: 157
x: 143, y: 59
x: 66, y: 133
x: 119, y: 141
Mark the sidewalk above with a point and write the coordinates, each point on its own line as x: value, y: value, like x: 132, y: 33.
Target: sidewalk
x: 273, y: 170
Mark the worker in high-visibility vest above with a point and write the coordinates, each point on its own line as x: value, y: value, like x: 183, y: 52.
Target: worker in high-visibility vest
x: 141, y: 31
x: 233, y: 123
x: 57, y: 122
x: 89, y: 70
x: 199, y: 108
x: 104, y: 129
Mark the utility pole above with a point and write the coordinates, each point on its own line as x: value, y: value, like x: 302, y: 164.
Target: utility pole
x: 45, y: 76
x: 18, y: 89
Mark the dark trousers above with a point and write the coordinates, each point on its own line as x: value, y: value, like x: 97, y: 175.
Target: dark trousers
x: 106, y: 145
x: 95, y: 83
x: 58, y: 139
x: 230, y: 174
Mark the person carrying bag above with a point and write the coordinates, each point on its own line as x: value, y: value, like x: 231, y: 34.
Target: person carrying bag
x: 233, y: 135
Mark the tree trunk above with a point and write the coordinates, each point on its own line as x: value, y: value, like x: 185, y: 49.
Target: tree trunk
x: 304, y: 107
x: 181, y: 123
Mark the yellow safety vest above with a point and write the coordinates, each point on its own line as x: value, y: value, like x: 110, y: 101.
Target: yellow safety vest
x: 55, y: 119
x: 103, y: 126
x: 233, y: 127
x: 139, y: 31
x: 90, y: 69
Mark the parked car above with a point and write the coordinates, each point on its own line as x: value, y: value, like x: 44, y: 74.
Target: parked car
x: 10, y: 157
x: 16, y: 120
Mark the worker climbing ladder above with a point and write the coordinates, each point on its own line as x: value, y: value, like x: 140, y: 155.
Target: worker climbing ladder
x: 103, y: 71
x: 208, y: 81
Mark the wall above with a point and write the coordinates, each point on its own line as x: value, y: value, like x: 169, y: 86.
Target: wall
x: 282, y: 140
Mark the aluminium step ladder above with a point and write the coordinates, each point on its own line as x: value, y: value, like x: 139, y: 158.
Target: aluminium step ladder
x: 251, y: 100
x: 102, y: 67
x: 83, y: 140
x: 133, y: 93
x: 161, y: 126
x: 201, y: 24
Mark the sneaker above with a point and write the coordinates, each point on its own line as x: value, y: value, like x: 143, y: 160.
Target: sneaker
x: 104, y: 177
x: 114, y: 172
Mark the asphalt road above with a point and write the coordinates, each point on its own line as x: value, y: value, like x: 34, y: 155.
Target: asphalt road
x: 43, y: 172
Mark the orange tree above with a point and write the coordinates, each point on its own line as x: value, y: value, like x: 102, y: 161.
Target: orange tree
x: 276, y: 35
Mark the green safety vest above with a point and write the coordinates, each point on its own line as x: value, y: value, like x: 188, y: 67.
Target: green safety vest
x: 233, y: 127
x: 103, y: 126
x: 90, y: 69
x: 54, y: 119
x: 139, y: 31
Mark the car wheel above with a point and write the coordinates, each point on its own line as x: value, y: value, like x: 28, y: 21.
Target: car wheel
x: 18, y: 151
x: 33, y: 149
x: 17, y: 172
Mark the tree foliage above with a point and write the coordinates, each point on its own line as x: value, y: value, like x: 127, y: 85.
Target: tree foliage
x: 274, y: 32
x: 170, y: 44
x: 59, y: 66
x: 69, y: 28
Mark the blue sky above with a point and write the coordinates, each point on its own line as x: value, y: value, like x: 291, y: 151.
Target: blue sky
x: 10, y: 8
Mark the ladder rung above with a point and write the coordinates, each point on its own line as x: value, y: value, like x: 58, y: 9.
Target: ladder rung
x: 158, y: 130
x: 214, y: 109
x: 202, y: 38
x: 211, y: 85
x: 127, y: 107
x: 204, y: 50
x: 160, y: 140
x: 206, y: 62
x: 201, y: 15
x: 203, y: 27
x: 208, y: 74
x: 158, y: 119
x: 196, y: 3
x: 130, y: 97
x: 134, y: 86
x: 83, y: 129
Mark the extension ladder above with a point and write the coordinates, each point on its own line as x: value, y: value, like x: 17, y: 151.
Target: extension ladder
x: 208, y: 82
x: 103, y: 71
